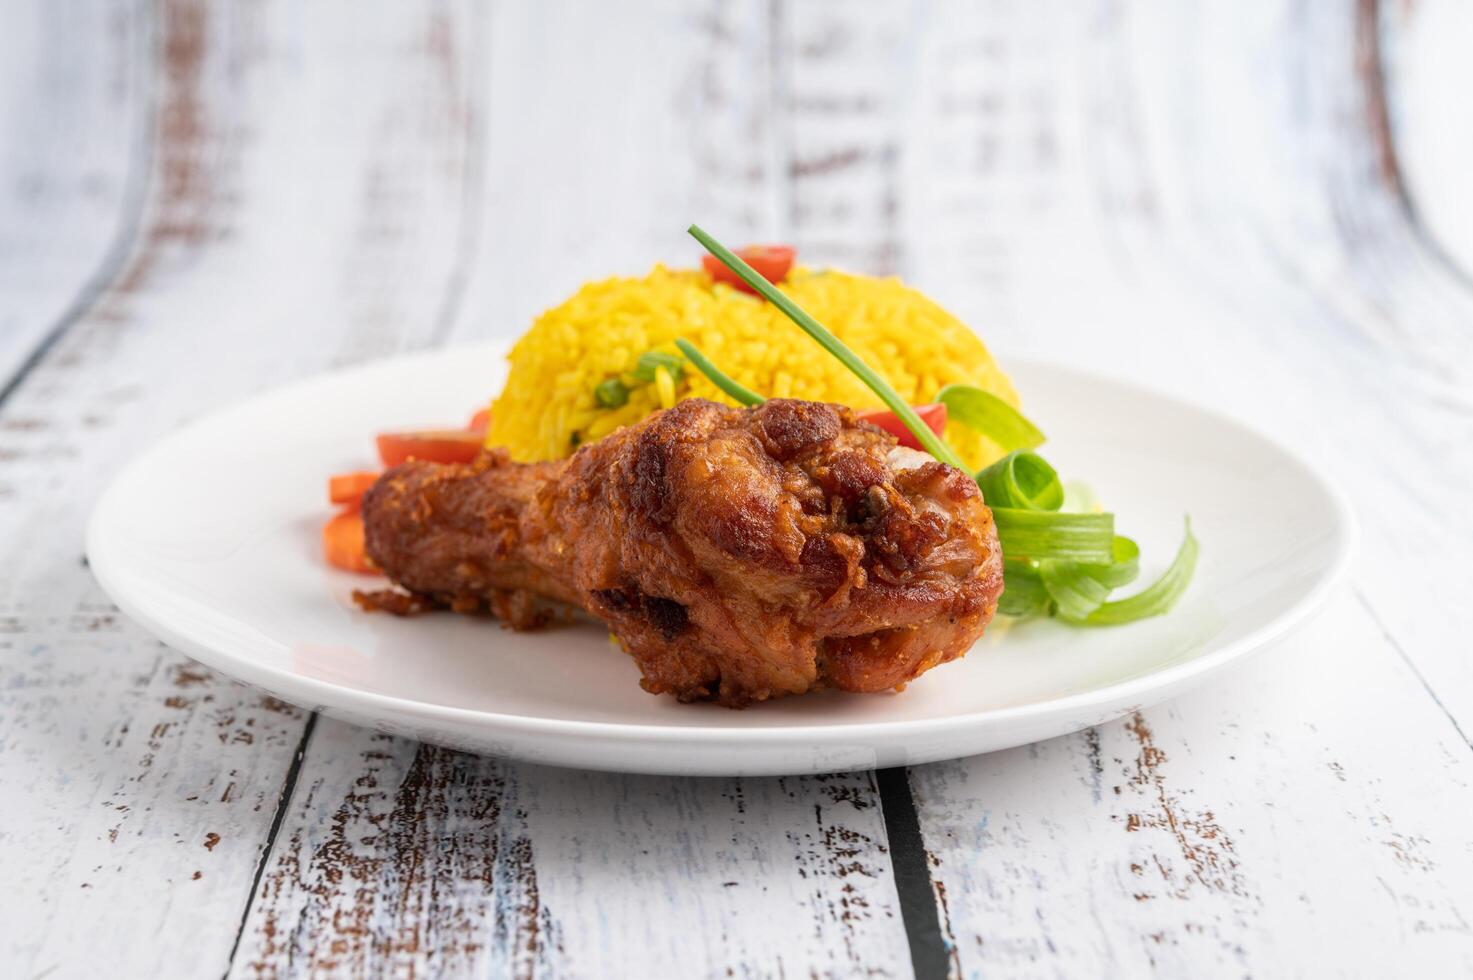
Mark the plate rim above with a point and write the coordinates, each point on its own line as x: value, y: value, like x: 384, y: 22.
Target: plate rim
x: 326, y: 694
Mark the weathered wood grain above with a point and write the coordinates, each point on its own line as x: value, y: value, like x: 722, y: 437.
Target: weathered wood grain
x: 609, y: 129
x: 305, y: 186
x: 402, y: 859
x: 1278, y: 822
x: 1200, y: 199
x: 73, y: 111
x: 839, y: 78
x: 1268, y: 266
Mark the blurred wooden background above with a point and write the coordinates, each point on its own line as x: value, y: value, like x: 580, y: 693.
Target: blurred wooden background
x: 1260, y: 206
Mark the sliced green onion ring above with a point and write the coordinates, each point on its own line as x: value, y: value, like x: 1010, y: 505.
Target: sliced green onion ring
x: 990, y: 415
x: 1156, y: 598
x: 1079, y: 588
x: 718, y: 377
x: 1075, y: 596
x: 1037, y: 535
x: 932, y: 442
x: 1023, y: 593
x: 1021, y: 479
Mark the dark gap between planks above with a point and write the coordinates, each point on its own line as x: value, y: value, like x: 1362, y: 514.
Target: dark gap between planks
x: 929, y: 954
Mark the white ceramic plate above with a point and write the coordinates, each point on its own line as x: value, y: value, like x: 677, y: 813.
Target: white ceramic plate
x: 211, y: 541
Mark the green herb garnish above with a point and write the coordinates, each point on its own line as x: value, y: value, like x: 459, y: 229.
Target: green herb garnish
x: 991, y: 416
x: 1155, y: 599
x: 1021, y: 479
x: 1078, y: 588
x: 612, y: 393
x: 1023, y: 593
x: 1039, y: 535
x: 718, y: 377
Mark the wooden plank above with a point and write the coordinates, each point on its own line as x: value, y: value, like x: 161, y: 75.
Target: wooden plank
x: 1262, y: 263
x: 308, y: 173
x: 72, y: 160
x: 401, y: 858
x: 1178, y: 243
x: 841, y: 79
x: 609, y: 131
x: 1001, y: 204
x: 1301, y: 816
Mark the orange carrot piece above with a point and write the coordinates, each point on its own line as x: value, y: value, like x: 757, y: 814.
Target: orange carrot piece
x: 343, y: 545
x: 349, y: 488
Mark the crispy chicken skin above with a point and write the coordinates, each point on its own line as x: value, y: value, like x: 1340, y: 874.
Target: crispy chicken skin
x: 736, y: 554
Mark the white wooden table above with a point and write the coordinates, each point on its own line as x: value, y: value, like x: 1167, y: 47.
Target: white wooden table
x: 1260, y: 206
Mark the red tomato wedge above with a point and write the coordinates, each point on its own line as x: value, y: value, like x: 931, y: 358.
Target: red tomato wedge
x: 343, y: 546
x: 435, y: 446
x: 480, y: 421
x: 933, y: 415
x: 349, y: 488
x: 771, y: 261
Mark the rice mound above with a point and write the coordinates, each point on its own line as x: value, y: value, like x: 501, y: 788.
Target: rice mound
x: 548, y: 408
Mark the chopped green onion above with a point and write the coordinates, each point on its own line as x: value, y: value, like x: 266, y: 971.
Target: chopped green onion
x: 1037, y: 535
x: 1021, y: 479
x: 1023, y: 593
x: 991, y: 416
x: 612, y: 393
x: 1079, y: 588
x: 1154, y: 599
x: 928, y: 439
x: 1075, y: 595
x: 1124, y: 566
x: 719, y: 378
x: 644, y: 368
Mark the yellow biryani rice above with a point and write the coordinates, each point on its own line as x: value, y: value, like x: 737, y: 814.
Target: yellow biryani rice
x: 548, y: 406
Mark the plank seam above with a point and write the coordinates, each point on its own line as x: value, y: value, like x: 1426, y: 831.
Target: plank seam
x: 1406, y: 658
x: 283, y: 802
x: 929, y: 954
x: 130, y: 223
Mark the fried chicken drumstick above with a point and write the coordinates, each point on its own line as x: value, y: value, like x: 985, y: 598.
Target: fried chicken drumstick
x: 736, y: 554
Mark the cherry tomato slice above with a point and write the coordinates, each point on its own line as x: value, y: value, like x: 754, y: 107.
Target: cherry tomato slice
x: 480, y: 421
x: 933, y: 415
x: 343, y: 544
x: 435, y: 446
x: 771, y: 261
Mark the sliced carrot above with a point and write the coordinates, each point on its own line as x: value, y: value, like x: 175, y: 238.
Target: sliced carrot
x: 349, y: 488
x: 343, y: 544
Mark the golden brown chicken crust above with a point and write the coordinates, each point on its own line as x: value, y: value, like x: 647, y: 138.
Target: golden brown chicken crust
x: 737, y: 554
